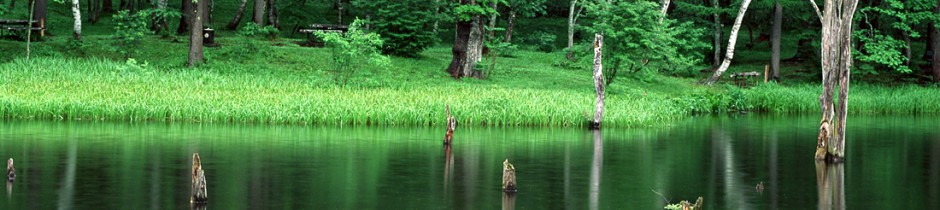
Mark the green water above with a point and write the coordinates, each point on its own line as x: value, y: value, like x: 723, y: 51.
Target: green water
x: 892, y: 163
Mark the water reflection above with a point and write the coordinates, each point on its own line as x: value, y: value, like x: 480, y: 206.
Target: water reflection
x: 509, y: 201
x: 596, y: 166
x: 67, y: 191
x: 830, y: 185
x: 448, y: 166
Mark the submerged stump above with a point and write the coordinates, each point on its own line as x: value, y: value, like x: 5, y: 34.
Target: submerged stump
x: 509, y: 177
x: 11, y: 172
x: 199, y: 194
x: 451, y: 125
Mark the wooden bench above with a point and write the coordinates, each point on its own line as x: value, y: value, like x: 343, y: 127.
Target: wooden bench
x: 312, y: 41
x: 19, y: 25
x: 324, y: 27
x: 740, y: 78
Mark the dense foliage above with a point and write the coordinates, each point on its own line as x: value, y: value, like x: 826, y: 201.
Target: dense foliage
x: 636, y: 41
x: 405, y: 25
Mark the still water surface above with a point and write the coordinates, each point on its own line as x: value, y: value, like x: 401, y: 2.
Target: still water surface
x: 892, y: 163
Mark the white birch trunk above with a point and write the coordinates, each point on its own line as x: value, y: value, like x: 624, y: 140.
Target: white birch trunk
x: 663, y: 11
x: 598, y: 81
x: 731, y: 41
x: 77, y: 14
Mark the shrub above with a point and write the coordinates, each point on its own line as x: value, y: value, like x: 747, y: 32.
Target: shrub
x: 353, y: 51
x: 251, y: 29
x: 129, y: 29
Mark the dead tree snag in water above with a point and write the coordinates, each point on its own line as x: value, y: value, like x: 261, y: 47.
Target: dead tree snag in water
x: 451, y: 125
x: 199, y: 194
x: 598, y: 81
x: 509, y: 177
x: 11, y: 172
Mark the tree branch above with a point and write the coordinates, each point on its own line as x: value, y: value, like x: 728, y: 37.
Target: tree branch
x: 816, y: 8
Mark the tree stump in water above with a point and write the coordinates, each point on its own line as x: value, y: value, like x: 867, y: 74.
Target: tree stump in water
x: 451, y: 125
x: 199, y: 194
x: 509, y: 177
x: 11, y: 172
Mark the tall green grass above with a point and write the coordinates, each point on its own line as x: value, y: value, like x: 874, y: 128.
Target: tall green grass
x: 71, y: 89
x: 863, y: 98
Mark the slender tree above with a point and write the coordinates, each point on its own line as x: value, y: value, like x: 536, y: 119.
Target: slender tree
x: 598, y: 81
x: 573, y: 12
x: 185, y: 17
x: 77, y: 14
x: 195, y: 33
x: 233, y: 24
x: 273, y: 14
x: 731, y: 40
x: 775, y: 41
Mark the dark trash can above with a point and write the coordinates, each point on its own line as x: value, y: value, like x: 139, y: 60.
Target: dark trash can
x: 208, y: 37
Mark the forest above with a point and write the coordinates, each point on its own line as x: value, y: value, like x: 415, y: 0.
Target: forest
x: 496, y: 62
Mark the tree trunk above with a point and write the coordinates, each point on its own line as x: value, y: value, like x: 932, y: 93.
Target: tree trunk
x: 731, y: 40
x: 77, y: 14
x: 598, y: 82
x: 907, y: 47
x: 437, y: 11
x: 936, y: 47
x: 39, y: 14
x: 233, y: 24
x: 775, y: 42
x: 451, y: 126
x: 662, y: 12
x: 492, y: 23
x: 11, y: 171
x: 185, y: 14
x: 108, y: 6
x: 460, y: 50
x: 272, y: 13
x: 258, y: 15
x: 572, y: 21
x: 836, y: 52
x: 162, y: 23
x: 339, y: 11
x: 716, y: 41
x: 510, y: 25
x: 195, y: 34
x: 474, y: 47
x: 199, y: 194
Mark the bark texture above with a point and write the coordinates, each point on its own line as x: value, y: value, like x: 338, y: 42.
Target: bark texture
x: 468, y: 46
x: 731, y: 41
x: 199, y: 194
x: 273, y: 14
x: 598, y: 81
x: 196, y: 34
x: 836, y: 52
x: 716, y: 40
x: 509, y: 25
x: 451, y: 126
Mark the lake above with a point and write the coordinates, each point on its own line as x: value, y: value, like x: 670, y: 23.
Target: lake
x: 891, y: 163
